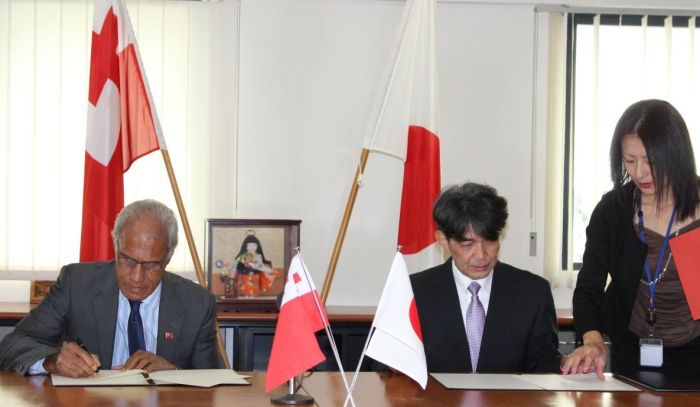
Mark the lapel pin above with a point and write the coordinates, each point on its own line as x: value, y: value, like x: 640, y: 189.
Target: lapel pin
x: 169, y: 336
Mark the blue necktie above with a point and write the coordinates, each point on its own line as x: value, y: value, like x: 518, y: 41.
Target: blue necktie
x: 136, y: 340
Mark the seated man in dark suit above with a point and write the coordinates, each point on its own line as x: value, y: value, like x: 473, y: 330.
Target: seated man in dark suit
x: 476, y: 313
x: 129, y: 313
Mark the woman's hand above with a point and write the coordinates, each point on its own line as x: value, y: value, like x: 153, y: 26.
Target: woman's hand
x: 587, y: 358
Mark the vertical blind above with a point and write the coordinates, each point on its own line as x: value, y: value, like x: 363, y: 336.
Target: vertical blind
x: 616, y: 61
x: 611, y: 61
x: 189, y: 51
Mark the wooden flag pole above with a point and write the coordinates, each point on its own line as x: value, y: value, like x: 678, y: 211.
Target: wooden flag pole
x: 343, y: 226
x: 190, y: 243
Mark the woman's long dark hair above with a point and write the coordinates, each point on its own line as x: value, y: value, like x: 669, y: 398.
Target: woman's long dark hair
x: 669, y: 151
x: 251, y: 239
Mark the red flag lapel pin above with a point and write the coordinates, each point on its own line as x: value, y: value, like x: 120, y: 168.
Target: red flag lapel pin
x: 169, y: 336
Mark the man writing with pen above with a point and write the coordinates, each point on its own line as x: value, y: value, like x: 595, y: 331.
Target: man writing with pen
x: 128, y: 313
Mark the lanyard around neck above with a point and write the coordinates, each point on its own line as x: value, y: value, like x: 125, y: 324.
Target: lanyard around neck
x: 652, y: 282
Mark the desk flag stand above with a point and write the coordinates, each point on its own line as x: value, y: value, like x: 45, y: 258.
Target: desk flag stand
x: 292, y: 398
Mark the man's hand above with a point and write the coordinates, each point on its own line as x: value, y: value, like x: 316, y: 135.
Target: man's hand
x: 147, y: 361
x: 72, y: 361
x: 587, y: 358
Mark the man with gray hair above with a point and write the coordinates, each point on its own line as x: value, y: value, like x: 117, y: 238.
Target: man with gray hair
x: 128, y: 313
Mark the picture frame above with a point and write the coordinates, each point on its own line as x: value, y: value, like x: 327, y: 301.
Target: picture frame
x: 38, y: 290
x: 247, y: 261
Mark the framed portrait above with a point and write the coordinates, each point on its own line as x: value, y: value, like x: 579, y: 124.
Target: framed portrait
x: 247, y: 261
x: 38, y: 290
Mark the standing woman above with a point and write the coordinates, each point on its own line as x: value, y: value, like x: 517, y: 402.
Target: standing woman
x: 654, y: 198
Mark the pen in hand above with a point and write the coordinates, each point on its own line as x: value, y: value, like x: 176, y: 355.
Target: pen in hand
x: 83, y: 347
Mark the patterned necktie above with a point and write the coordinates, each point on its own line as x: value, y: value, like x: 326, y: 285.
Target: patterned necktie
x: 475, y: 323
x: 136, y: 340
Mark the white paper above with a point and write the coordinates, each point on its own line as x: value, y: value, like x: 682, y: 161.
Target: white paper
x: 545, y: 381
x: 199, y: 377
x: 105, y: 378
x: 577, y: 382
x: 483, y: 381
x: 193, y: 377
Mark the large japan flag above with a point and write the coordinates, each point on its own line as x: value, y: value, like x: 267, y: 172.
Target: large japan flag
x: 396, y: 338
x: 406, y: 128
x: 294, y: 347
x: 122, y: 125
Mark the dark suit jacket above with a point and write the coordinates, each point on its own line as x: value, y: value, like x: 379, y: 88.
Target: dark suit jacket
x: 613, y: 249
x: 83, y: 303
x: 520, y: 333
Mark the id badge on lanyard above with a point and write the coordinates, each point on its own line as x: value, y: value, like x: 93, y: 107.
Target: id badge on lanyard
x: 651, y: 350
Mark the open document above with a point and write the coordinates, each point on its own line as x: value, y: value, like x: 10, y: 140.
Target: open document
x: 137, y: 377
x: 556, y: 382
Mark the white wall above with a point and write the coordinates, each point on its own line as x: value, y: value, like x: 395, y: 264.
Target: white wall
x: 305, y: 104
x: 310, y: 71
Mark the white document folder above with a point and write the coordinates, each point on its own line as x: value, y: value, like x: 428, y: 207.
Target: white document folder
x: 194, y: 377
x: 545, y: 381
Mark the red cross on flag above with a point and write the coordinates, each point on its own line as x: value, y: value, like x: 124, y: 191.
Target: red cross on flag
x: 122, y: 125
x: 294, y: 347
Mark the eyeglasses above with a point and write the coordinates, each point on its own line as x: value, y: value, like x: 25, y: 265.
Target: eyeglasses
x: 127, y: 262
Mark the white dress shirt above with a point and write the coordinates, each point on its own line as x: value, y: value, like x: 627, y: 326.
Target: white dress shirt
x: 465, y: 297
x: 149, y: 310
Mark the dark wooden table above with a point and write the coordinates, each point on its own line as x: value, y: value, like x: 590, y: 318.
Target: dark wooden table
x: 373, y: 390
x: 12, y: 312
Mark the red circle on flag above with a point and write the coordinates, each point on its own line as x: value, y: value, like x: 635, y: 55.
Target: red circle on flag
x: 415, y: 322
